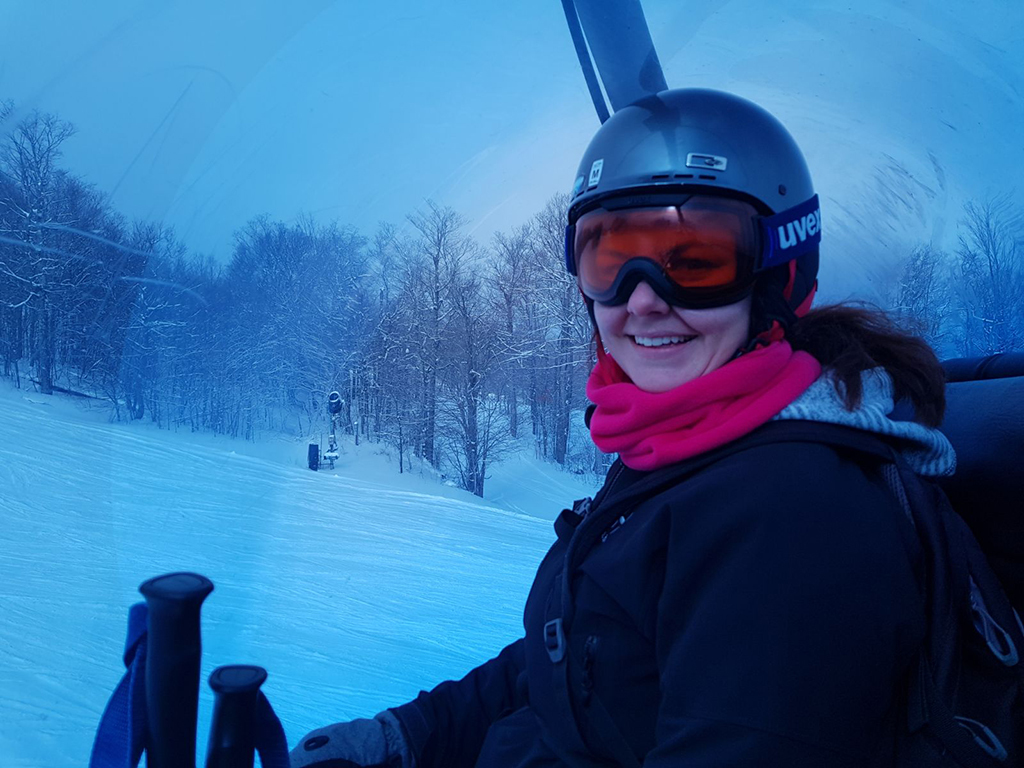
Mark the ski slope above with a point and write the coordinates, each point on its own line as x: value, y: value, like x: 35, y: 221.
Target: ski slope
x: 355, y: 589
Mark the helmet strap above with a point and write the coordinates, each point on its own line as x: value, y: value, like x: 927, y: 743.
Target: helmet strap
x: 771, y: 314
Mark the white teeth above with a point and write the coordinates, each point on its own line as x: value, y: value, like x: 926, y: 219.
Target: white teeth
x: 645, y: 341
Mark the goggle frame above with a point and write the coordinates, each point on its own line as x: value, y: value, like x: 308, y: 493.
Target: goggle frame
x: 778, y: 245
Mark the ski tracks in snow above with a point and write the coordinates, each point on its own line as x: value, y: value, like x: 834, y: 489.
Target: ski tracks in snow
x: 353, y: 592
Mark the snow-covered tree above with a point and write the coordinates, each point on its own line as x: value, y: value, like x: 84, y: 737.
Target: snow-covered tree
x: 513, y: 285
x: 565, y: 329
x: 920, y: 296
x: 990, y: 288
x: 32, y: 265
x: 473, y: 423
x: 440, y: 247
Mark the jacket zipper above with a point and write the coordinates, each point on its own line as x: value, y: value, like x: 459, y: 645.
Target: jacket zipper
x: 588, y: 517
x: 589, y: 651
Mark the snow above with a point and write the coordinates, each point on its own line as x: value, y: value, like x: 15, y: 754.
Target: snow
x: 354, y: 588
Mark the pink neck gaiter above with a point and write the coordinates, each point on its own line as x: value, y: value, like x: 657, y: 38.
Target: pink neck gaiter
x: 652, y: 429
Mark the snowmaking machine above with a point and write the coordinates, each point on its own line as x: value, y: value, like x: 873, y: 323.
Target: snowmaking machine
x: 317, y: 458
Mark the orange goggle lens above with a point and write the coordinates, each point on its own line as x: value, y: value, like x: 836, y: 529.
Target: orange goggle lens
x: 706, y: 245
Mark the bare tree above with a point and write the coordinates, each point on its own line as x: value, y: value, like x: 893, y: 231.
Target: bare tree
x: 392, y: 345
x: 991, y: 285
x: 920, y: 296
x: 513, y: 283
x: 567, y: 330
x: 433, y: 346
x: 31, y: 201
x: 442, y: 246
x: 474, y: 428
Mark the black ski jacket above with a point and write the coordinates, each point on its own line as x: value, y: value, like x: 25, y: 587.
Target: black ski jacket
x: 754, y: 606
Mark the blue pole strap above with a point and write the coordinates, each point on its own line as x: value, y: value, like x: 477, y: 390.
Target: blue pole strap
x: 121, y: 735
x: 271, y: 744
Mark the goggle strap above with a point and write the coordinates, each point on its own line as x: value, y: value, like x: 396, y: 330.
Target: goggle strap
x: 790, y: 234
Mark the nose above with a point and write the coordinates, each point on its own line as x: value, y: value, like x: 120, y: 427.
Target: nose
x: 644, y: 300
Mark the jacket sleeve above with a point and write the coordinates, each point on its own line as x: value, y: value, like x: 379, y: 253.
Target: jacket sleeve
x: 789, y: 615
x: 446, y: 726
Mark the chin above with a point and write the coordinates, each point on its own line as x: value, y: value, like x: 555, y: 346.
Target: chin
x: 655, y: 383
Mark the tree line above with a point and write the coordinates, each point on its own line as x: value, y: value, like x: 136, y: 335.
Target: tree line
x: 448, y: 349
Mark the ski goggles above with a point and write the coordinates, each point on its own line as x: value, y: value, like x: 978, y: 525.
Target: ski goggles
x: 696, y: 251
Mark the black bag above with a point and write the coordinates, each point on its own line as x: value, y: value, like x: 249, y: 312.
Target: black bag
x: 965, y: 698
x: 965, y: 694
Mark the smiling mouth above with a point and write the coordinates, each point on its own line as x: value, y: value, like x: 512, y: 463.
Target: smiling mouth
x: 660, y: 341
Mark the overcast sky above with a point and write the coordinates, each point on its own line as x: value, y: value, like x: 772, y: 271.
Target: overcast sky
x: 203, y: 114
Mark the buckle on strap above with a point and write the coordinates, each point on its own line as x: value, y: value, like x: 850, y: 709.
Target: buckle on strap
x: 554, y: 640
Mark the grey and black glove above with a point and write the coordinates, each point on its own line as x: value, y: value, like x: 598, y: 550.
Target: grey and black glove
x: 365, y: 743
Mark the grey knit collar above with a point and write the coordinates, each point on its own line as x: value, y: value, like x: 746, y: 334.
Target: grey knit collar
x: 926, y: 450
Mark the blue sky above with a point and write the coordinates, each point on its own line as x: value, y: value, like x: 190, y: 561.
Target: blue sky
x: 203, y: 114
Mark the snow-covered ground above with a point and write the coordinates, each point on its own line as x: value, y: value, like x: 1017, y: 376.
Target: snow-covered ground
x: 355, y: 589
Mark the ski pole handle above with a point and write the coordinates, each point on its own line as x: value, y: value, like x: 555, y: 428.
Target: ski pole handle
x: 172, y: 667
x: 233, y: 731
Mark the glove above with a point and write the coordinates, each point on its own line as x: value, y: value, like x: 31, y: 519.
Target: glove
x: 365, y: 743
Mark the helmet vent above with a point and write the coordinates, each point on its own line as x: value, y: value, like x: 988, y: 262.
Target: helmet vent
x: 709, y: 178
x: 662, y: 176
x: 684, y: 175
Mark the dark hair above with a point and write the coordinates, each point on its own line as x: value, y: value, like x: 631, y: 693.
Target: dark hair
x: 849, y: 338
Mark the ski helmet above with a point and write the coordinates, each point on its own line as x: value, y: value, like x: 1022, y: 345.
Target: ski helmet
x: 713, y: 143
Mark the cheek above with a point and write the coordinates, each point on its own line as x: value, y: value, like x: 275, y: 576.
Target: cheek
x: 729, y: 324
x: 608, y: 319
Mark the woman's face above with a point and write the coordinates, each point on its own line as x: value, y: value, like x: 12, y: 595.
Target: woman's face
x: 637, y: 334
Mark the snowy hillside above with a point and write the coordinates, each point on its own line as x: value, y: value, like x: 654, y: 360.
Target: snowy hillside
x: 354, y: 589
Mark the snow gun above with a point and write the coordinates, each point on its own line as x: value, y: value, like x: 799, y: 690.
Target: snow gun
x: 154, y: 708
x: 316, y: 458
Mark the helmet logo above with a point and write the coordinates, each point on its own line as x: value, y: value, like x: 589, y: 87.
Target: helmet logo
x: 706, y: 162
x: 578, y: 186
x: 595, y: 173
x: 791, y: 233
x: 805, y: 227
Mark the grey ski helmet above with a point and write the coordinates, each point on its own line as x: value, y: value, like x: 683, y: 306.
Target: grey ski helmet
x: 715, y: 143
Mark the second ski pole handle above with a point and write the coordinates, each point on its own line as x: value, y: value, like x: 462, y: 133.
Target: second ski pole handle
x: 172, y: 667
x: 233, y: 732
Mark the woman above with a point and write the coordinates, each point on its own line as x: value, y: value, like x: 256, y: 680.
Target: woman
x: 742, y: 590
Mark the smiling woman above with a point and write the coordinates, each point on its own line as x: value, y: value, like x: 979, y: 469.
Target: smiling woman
x: 253, y: 210
x: 742, y: 590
